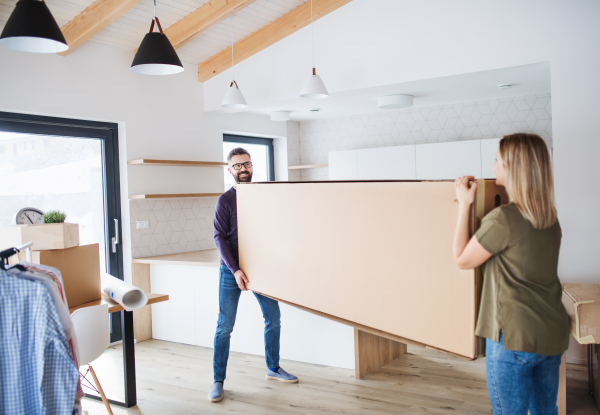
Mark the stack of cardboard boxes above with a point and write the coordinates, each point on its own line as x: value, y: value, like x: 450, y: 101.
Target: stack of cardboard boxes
x: 57, y: 245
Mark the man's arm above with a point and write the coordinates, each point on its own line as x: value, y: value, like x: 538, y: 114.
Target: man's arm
x: 222, y: 223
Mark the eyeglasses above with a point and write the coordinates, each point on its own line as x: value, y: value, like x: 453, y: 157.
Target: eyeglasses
x: 238, y: 166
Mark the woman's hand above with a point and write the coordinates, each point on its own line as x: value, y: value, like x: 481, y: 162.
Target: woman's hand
x: 464, y: 194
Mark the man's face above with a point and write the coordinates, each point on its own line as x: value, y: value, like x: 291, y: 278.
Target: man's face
x: 244, y: 174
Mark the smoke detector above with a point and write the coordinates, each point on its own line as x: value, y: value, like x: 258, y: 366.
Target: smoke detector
x: 504, y: 86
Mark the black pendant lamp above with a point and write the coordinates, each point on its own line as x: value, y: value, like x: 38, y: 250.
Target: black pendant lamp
x: 156, y: 55
x: 32, y: 28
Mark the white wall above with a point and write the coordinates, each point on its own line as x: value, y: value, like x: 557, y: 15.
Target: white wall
x: 404, y: 40
x: 159, y: 117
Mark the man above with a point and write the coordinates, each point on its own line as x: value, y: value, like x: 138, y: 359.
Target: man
x: 232, y: 281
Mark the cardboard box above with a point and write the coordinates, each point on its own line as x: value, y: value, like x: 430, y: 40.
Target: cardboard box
x: 582, y: 302
x: 44, y: 236
x: 80, y: 269
x: 373, y: 255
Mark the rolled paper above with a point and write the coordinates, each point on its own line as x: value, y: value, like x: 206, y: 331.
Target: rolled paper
x: 129, y: 296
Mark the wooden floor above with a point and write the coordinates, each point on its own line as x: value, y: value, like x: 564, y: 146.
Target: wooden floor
x: 174, y: 379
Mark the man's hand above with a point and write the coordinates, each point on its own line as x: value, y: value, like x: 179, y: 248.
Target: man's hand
x: 241, y: 279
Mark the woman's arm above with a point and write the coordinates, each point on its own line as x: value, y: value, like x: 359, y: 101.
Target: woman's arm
x: 468, y: 254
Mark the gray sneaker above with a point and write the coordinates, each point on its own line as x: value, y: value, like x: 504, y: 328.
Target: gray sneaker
x: 215, y: 394
x: 281, y: 375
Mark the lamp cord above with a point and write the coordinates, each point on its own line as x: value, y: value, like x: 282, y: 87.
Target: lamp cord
x: 312, y: 26
x: 232, y: 67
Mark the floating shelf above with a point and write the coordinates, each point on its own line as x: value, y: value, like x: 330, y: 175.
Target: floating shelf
x: 174, y: 195
x: 308, y: 166
x: 150, y: 162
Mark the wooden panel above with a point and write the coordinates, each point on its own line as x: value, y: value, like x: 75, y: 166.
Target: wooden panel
x: 113, y: 306
x: 142, y: 318
x: 267, y: 36
x: 149, y: 162
x: 372, y: 352
x: 92, y: 20
x: 203, y: 258
x: 203, y: 18
x: 174, y: 195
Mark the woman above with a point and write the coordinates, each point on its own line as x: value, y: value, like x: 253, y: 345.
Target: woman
x: 521, y: 313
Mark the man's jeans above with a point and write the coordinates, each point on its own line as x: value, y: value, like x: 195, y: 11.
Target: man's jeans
x: 518, y: 381
x: 229, y: 296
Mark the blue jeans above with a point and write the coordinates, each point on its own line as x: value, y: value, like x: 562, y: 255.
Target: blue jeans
x: 521, y: 381
x: 229, y: 296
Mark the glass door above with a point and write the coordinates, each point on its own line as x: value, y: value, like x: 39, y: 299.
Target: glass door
x: 68, y: 165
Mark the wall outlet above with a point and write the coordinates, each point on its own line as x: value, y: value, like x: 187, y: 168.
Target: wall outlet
x: 142, y: 224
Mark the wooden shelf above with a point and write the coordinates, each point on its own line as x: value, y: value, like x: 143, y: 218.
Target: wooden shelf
x: 203, y: 258
x: 150, y: 162
x: 174, y: 195
x: 308, y: 166
x: 113, y: 306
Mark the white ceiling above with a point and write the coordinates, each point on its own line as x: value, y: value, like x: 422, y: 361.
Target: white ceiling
x: 527, y: 79
x: 129, y: 29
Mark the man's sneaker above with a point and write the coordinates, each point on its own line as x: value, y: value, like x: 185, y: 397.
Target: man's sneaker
x: 281, y: 375
x: 215, y: 394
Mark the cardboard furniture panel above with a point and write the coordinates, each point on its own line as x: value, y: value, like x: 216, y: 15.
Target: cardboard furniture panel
x: 378, y: 254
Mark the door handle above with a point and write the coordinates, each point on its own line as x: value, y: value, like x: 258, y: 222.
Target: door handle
x: 115, y: 239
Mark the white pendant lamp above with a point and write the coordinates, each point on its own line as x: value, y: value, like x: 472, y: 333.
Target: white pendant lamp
x: 233, y: 97
x: 314, y: 86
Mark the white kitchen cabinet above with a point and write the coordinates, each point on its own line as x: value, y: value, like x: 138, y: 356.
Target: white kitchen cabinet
x: 343, y: 165
x: 173, y: 320
x: 387, y: 163
x: 489, y: 148
x: 442, y: 161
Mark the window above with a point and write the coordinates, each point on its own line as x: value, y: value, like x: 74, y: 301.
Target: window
x: 261, y: 153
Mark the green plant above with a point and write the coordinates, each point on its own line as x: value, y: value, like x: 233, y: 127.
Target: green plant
x: 54, y: 216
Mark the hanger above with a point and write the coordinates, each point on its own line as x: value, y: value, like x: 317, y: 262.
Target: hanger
x: 7, y: 253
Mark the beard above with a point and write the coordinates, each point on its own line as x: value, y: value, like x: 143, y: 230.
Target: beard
x: 245, y: 177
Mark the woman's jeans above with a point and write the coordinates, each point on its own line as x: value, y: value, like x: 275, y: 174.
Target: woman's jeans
x: 520, y: 381
x: 229, y: 296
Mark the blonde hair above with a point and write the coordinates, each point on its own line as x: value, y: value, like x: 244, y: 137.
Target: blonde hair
x: 529, y: 180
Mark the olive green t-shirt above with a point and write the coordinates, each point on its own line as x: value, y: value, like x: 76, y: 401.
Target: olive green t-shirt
x: 521, y: 291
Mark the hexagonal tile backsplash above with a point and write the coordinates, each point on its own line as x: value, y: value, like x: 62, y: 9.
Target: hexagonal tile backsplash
x: 176, y: 225
x: 310, y: 141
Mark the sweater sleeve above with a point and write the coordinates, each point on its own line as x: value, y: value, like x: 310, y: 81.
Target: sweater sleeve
x: 222, y: 222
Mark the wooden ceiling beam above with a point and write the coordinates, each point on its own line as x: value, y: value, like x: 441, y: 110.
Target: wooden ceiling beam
x: 267, y: 36
x: 203, y: 18
x: 93, y: 19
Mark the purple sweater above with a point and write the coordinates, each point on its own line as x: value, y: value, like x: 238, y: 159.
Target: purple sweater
x: 226, y: 231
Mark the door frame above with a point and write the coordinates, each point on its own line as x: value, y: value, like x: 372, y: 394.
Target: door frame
x: 109, y: 136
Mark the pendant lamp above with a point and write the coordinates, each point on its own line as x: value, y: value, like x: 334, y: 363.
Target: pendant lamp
x: 314, y: 86
x: 32, y: 28
x: 233, y: 97
x: 156, y: 55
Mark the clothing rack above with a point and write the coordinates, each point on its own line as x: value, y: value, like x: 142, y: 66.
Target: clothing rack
x: 7, y: 253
